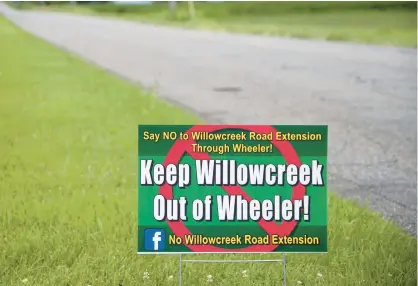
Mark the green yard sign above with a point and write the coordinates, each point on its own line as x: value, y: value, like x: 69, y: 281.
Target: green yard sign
x: 232, y: 189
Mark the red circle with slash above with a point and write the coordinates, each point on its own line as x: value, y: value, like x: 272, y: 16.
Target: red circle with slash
x: 185, y: 146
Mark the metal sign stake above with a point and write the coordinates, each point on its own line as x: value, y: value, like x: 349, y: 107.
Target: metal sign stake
x: 181, y: 261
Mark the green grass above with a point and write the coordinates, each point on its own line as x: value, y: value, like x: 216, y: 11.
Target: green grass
x: 385, y: 23
x: 68, y: 188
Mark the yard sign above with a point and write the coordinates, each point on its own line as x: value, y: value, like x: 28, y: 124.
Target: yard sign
x: 232, y: 189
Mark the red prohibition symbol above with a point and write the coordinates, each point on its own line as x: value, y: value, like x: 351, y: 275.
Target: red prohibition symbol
x: 180, y: 147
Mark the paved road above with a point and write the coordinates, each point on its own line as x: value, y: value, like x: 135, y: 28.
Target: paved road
x: 367, y: 94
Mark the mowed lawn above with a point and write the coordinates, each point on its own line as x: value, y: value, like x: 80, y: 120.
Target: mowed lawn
x: 68, y: 182
x: 383, y: 23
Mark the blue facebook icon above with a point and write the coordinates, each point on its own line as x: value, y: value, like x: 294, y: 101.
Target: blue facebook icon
x: 154, y: 239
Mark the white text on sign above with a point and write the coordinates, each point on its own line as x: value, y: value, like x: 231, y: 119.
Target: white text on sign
x: 232, y: 208
x: 228, y: 172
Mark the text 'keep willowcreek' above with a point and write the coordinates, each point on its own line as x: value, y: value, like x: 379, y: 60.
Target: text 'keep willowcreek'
x: 228, y: 172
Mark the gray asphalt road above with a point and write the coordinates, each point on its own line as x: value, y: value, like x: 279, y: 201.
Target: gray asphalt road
x: 366, y: 94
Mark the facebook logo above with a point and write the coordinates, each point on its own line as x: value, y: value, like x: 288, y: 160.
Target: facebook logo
x: 154, y: 239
